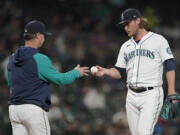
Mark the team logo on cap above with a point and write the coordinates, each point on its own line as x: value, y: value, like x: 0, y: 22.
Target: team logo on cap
x: 122, y: 16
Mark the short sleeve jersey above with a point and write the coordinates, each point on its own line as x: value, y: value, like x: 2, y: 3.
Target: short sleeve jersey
x: 144, y: 60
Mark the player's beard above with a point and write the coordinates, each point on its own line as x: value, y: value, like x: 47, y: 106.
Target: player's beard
x: 133, y: 33
x: 129, y: 34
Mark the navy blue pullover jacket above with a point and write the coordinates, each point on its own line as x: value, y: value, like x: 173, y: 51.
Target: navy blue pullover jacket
x: 29, y: 75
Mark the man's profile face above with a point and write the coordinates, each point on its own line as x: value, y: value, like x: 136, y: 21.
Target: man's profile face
x: 131, y: 27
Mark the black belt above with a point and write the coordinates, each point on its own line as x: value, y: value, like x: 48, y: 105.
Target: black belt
x: 140, y: 89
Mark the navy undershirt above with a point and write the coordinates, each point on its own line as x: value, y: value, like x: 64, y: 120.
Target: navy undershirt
x: 137, y: 41
x: 169, y: 65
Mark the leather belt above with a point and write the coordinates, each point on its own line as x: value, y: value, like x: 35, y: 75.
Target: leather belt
x: 140, y: 89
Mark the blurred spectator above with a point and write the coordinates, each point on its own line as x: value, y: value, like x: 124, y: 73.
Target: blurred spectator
x: 99, y: 127
x: 117, y: 3
x: 72, y: 129
x: 100, y: 12
x: 85, y: 129
x: 95, y: 99
x: 120, y: 118
x: 55, y: 112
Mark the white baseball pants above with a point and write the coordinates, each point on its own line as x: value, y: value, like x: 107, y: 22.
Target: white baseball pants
x: 143, y: 110
x: 28, y: 119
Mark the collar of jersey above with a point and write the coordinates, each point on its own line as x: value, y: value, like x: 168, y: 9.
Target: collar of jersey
x: 143, y: 38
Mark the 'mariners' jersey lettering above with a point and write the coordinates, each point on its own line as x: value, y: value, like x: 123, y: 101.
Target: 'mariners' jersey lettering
x: 143, y: 61
x: 139, y: 52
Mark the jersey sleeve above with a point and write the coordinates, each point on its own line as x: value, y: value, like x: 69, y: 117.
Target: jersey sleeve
x: 165, y: 50
x: 48, y: 73
x: 121, y: 62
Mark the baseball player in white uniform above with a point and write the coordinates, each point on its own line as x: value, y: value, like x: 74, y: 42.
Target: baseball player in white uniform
x: 143, y: 58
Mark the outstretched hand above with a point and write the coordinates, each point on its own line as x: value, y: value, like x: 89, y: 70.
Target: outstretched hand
x: 100, y: 72
x: 83, y: 70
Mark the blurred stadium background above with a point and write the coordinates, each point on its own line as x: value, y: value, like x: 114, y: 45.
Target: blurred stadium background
x: 85, y: 32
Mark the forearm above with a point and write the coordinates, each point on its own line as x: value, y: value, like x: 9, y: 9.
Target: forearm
x: 65, y: 78
x: 58, y: 78
x: 170, y: 75
x: 112, y: 73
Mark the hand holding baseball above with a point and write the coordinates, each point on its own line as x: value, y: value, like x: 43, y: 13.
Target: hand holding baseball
x: 97, y: 71
x: 94, y: 69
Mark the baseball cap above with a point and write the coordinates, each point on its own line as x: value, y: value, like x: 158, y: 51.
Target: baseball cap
x: 129, y: 14
x: 34, y: 27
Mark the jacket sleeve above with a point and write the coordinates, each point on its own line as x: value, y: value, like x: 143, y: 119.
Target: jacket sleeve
x: 7, y: 78
x: 48, y: 73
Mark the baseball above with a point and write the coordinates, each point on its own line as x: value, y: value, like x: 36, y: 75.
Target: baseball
x: 94, y: 69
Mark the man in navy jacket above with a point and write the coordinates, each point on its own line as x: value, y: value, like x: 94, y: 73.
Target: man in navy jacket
x: 29, y: 75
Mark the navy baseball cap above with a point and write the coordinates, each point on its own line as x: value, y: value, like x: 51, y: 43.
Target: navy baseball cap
x: 34, y: 27
x: 129, y: 14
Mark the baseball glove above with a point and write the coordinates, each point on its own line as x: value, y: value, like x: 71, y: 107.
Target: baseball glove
x: 171, y: 110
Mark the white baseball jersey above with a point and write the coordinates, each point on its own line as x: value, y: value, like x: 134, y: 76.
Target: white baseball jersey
x: 144, y: 60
